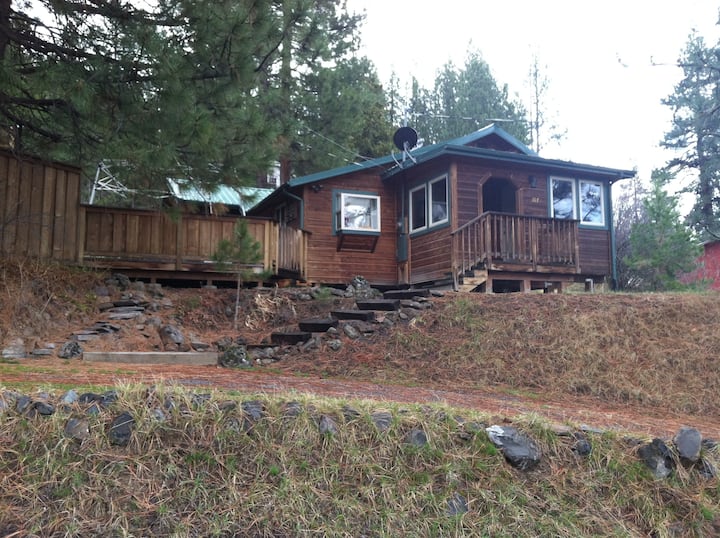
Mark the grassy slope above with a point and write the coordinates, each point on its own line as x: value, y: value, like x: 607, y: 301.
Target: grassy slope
x: 195, y: 475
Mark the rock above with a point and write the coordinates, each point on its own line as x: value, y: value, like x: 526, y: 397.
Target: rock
x: 350, y: 413
x: 658, y: 457
x: 382, y: 420
x: 234, y: 356
x: 582, y: 446
x: 519, y: 450
x: 350, y: 331
x: 172, y: 338
x: 70, y: 397
x: 688, y: 442
x: 70, y: 350
x: 292, y: 409
x: 457, y: 505
x: 416, y: 437
x: 334, y: 344
x: 15, y: 349
x: 22, y: 403
x: 254, y: 409
x: 327, y: 426
x: 121, y: 429
x: 78, y: 429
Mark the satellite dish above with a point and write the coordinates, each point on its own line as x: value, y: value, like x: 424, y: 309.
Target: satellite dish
x: 405, y: 138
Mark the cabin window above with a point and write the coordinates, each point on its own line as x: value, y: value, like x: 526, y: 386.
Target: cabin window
x: 438, y: 201
x: 592, y: 206
x: 583, y: 200
x: 418, y: 204
x: 429, y: 204
x: 357, y: 212
x: 563, y: 198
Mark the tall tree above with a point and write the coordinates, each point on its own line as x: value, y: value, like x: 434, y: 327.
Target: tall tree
x: 167, y: 89
x: 346, y: 117
x: 542, y: 128
x: 628, y: 210
x: 662, y: 247
x: 465, y: 99
x: 695, y: 132
x: 316, y: 35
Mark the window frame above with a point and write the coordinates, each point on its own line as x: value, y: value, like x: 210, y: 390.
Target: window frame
x: 601, y: 223
x: 573, y: 197
x: 429, y: 222
x: 411, y: 209
x: 339, y: 216
x: 431, y: 202
x: 577, y: 201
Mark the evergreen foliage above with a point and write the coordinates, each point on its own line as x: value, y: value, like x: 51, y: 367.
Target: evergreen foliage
x: 695, y: 132
x: 662, y: 247
x: 462, y: 100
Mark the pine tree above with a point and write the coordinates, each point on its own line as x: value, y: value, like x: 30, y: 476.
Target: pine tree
x: 696, y: 132
x: 662, y: 247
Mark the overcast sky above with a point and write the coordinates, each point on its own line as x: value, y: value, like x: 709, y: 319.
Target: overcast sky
x: 609, y: 63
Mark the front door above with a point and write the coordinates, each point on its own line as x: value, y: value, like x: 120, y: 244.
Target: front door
x: 498, y: 195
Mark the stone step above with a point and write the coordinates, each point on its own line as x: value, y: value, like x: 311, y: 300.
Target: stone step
x: 192, y: 358
x: 378, y: 304
x: 406, y: 294
x: 290, y: 338
x: 317, y: 325
x: 361, y: 315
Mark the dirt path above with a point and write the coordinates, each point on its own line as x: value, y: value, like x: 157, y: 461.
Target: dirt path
x: 501, y: 404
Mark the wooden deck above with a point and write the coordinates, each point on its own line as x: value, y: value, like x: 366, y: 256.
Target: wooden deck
x: 41, y: 217
x: 516, y: 244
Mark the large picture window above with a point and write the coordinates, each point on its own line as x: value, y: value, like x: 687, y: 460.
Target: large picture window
x: 429, y: 204
x: 563, y: 198
x: 592, y: 203
x: 583, y: 200
x: 357, y: 212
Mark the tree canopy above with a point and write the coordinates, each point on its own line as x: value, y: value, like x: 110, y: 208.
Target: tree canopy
x: 462, y: 100
x: 695, y: 132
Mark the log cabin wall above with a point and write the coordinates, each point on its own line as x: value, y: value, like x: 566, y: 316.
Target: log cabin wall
x: 327, y: 262
x: 39, y: 209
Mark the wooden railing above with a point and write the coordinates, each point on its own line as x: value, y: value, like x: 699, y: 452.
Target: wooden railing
x: 133, y: 238
x: 526, y: 243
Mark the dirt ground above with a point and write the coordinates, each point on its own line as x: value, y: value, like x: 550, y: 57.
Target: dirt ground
x: 394, y: 364
x: 499, y: 402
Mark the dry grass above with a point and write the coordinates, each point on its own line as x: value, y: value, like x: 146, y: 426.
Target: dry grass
x: 208, y: 470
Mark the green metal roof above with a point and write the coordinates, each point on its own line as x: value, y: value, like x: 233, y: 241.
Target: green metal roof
x: 391, y: 165
x: 512, y: 158
x: 244, y: 197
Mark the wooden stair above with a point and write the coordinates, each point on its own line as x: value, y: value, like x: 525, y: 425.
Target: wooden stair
x: 472, y: 280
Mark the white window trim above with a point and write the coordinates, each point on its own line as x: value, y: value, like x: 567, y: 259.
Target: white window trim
x: 575, y: 200
x: 341, y: 212
x: 422, y: 187
x: 430, y: 219
x: 600, y: 224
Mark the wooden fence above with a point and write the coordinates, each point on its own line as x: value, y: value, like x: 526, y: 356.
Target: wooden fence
x: 41, y: 216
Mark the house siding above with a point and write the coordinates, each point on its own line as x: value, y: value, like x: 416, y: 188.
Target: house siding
x: 325, y: 262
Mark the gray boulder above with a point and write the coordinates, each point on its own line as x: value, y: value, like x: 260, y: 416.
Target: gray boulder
x: 121, y: 429
x: 70, y: 350
x: 172, y: 339
x: 688, y: 442
x: 658, y: 458
x: 519, y: 450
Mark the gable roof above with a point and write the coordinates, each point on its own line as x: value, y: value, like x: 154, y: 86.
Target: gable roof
x: 491, y: 143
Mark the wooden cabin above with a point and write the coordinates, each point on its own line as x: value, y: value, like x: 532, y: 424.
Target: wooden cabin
x: 482, y: 212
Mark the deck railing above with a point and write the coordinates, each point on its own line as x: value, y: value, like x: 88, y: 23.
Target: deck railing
x: 527, y: 242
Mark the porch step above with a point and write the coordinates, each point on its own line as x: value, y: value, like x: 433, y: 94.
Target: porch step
x: 378, y: 304
x: 406, y: 294
x: 290, y: 338
x: 473, y: 279
x: 317, y: 325
x: 361, y: 315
